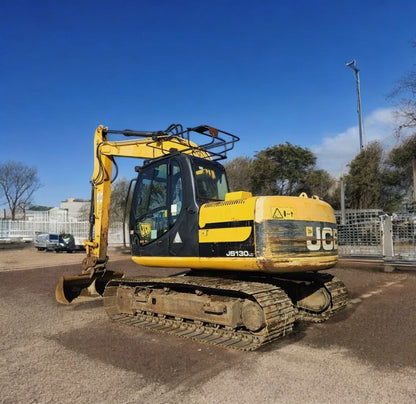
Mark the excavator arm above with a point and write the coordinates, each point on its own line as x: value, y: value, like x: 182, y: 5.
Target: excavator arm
x: 153, y: 145
x: 143, y: 145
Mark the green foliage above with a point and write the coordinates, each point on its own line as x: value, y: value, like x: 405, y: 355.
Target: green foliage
x: 371, y: 183
x: 402, y: 161
x: 402, y: 155
x: 282, y: 169
x: 363, y: 182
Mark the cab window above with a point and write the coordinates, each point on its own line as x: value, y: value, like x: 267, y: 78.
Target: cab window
x: 158, y: 200
x: 152, y: 203
x: 211, y: 182
x: 176, y: 192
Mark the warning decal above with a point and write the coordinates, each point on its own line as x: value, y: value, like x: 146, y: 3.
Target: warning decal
x: 283, y: 213
x: 177, y: 238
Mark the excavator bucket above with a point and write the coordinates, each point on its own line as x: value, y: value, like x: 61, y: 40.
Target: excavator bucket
x: 70, y: 287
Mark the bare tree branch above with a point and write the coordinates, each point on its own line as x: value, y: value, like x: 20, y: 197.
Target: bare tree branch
x: 18, y: 183
x: 404, y: 97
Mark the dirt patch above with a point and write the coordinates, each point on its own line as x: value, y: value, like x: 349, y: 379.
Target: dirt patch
x: 56, y: 353
x: 15, y: 259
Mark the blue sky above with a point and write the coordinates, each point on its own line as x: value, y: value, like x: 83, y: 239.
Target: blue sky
x: 268, y: 71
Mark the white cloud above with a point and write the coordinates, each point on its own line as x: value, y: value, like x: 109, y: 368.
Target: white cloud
x: 335, y: 152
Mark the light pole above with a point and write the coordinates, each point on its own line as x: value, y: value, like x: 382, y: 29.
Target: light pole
x: 353, y: 66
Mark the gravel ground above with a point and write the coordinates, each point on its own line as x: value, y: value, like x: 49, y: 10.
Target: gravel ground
x: 52, y: 353
x: 28, y: 257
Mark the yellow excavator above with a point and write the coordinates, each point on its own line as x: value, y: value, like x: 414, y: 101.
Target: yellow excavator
x: 253, y: 261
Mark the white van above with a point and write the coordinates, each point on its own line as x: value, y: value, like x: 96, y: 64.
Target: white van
x: 55, y: 242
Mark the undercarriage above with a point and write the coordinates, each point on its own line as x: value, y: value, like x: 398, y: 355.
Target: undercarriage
x: 243, y: 313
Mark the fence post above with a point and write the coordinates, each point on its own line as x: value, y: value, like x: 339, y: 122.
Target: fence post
x: 388, y: 253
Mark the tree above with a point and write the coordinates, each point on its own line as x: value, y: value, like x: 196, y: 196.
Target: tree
x: 18, y: 183
x: 404, y: 93
x: 369, y: 183
x: 239, y: 174
x: 119, y: 190
x: 320, y: 183
x: 403, y: 159
x: 282, y: 169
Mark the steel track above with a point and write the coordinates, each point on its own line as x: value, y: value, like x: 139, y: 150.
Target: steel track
x: 277, y: 307
x: 339, y: 299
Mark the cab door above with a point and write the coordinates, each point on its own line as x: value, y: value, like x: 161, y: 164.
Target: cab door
x: 164, y: 214
x: 149, y: 223
x: 183, y: 213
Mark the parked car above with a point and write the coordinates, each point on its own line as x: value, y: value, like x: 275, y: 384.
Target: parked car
x: 55, y: 242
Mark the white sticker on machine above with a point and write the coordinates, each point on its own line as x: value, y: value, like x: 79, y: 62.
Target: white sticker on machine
x: 177, y: 238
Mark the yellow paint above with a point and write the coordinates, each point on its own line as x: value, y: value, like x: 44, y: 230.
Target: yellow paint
x: 227, y: 211
x: 229, y: 234
x: 301, y: 208
x: 231, y: 196
x: 284, y: 264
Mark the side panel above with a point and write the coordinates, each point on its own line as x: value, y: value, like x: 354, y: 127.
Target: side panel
x: 225, y: 241
x: 227, y: 229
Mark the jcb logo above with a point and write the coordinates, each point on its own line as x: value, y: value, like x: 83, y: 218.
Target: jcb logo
x: 145, y: 228
x: 326, y: 239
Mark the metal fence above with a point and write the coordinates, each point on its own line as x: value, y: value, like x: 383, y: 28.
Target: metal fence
x: 360, y: 233
x: 27, y: 230
x: 366, y: 233
x: 404, y: 237
x: 372, y: 233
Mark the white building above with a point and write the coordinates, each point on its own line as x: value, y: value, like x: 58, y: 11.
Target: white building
x: 77, y: 209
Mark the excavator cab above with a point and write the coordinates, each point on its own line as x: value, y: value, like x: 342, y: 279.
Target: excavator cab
x: 166, y: 201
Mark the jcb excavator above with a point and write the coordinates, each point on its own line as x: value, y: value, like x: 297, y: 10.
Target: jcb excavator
x: 253, y: 260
